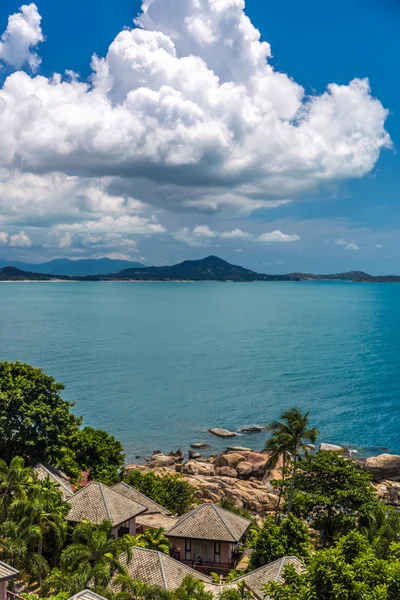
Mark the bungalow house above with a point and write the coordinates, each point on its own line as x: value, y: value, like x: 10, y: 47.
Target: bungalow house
x: 156, y: 568
x: 6, y: 574
x: 43, y: 471
x: 96, y: 503
x: 156, y: 515
x: 208, y: 538
x: 256, y: 580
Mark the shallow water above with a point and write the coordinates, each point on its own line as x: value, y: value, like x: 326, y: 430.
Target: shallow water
x: 157, y: 364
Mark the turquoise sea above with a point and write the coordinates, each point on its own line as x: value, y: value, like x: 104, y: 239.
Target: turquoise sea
x: 157, y: 364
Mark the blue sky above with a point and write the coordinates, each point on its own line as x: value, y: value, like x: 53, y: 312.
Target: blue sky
x: 60, y: 196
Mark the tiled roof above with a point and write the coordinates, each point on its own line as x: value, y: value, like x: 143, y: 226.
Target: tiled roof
x: 256, y: 580
x: 96, y: 502
x: 87, y: 595
x: 155, y: 521
x: 133, y: 494
x: 156, y: 568
x: 210, y: 522
x: 7, y: 572
x: 42, y: 471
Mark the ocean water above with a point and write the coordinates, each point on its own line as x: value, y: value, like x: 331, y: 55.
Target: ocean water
x: 157, y: 364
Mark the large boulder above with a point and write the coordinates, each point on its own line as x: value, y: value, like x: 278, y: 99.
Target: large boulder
x: 231, y: 459
x: 244, y: 469
x: 195, y: 467
x: 225, y: 472
x: 384, y: 466
x: 333, y: 448
x: 239, y: 449
x: 200, y: 445
x: 160, y: 460
x: 225, y: 433
x: 252, y: 429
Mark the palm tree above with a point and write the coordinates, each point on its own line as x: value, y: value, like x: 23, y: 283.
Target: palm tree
x: 192, y: 589
x: 14, y: 482
x: 18, y: 548
x: 154, y: 539
x: 93, y: 554
x: 291, y: 435
x: 241, y: 592
x: 278, y: 452
x: 131, y: 589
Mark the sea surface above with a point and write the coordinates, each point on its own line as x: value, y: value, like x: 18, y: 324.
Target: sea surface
x: 157, y: 364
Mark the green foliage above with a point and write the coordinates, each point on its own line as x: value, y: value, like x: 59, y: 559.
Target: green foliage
x: 289, y: 538
x: 171, y: 491
x: 192, y: 589
x: 349, y: 571
x: 153, y: 539
x: 240, y: 593
x: 34, y: 420
x: 334, y: 493
x: 290, y: 437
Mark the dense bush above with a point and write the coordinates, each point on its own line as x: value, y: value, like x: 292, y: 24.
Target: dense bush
x: 171, y: 491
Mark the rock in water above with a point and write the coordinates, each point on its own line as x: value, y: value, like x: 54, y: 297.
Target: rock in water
x: 252, y: 429
x: 199, y: 445
x: 194, y: 455
x: 225, y: 433
x: 384, y: 466
x: 334, y: 448
x: 239, y: 449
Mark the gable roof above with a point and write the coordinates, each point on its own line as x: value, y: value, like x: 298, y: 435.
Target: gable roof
x: 210, y: 522
x: 96, y: 502
x: 256, y: 580
x: 87, y: 595
x: 133, y: 494
x: 7, y: 572
x: 60, y: 479
x: 156, y: 568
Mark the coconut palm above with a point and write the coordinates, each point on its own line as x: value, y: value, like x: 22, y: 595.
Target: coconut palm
x: 154, y: 539
x: 291, y: 435
x: 14, y: 482
x: 18, y: 548
x: 131, y: 589
x: 93, y: 554
x: 192, y: 589
x: 241, y: 592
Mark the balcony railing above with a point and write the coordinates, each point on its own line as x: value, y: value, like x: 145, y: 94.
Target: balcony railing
x: 207, y: 566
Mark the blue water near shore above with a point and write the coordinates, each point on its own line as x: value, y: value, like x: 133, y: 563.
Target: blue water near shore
x: 157, y: 364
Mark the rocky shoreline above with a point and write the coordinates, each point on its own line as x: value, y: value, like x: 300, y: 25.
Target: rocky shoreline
x: 241, y: 475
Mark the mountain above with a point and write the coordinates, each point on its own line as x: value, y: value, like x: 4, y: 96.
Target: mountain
x: 211, y: 268
x: 75, y: 268
x: 14, y: 274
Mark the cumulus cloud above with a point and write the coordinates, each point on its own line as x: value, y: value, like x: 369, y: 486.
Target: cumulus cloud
x: 20, y: 240
x: 4, y: 238
x: 23, y: 34
x: 340, y: 242
x: 348, y: 245
x: 278, y: 236
x: 352, y: 246
x: 184, y: 112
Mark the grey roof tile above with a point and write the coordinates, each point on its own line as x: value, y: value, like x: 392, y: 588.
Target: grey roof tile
x: 210, y: 522
x: 157, y: 568
x: 96, y: 502
x: 60, y: 479
x: 87, y: 595
x: 7, y: 572
x: 257, y: 579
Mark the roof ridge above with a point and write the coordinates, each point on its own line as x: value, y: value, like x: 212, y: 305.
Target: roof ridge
x: 221, y: 516
x: 183, y: 518
x: 283, y: 560
x: 140, y: 494
x: 162, y: 570
x: 59, y: 479
x: 105, y: 500
x: 246, y: 575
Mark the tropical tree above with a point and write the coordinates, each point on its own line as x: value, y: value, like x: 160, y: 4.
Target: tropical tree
x: 171, y: 491
x: 241, y: 592
x: 154, y: 539
x: 18, y: 548
x: 291, y: 436
x: 192, y: 589
x: 132, y: 589
x: 92, y: 557
x: 336, y: 495
x: 15, y: 479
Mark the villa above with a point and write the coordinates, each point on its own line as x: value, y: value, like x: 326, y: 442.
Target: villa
x: 6, y: 574
x: 96, y: 502
x: 208, y: 538
x: 43, y: 471
x: 256, y: 580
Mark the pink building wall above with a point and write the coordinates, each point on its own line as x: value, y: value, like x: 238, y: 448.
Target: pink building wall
x: 225, y: 549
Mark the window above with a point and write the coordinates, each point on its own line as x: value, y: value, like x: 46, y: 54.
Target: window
x: 188, y: 550
x: 217, y: 552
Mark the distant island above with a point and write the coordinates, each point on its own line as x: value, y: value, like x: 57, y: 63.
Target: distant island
x: 75, y: 268
x: 210, y: 268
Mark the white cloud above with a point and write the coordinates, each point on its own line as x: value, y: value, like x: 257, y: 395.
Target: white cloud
x: 21, y: 37
x: 235, y: 234
x: 20, y: 240
x: 187, y: 101
x: 340, y: 242
x: 203, y: 231
x: 378, y: 246
x: 352, y: 246
x: 278, y: 236
x: 4, y: 238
